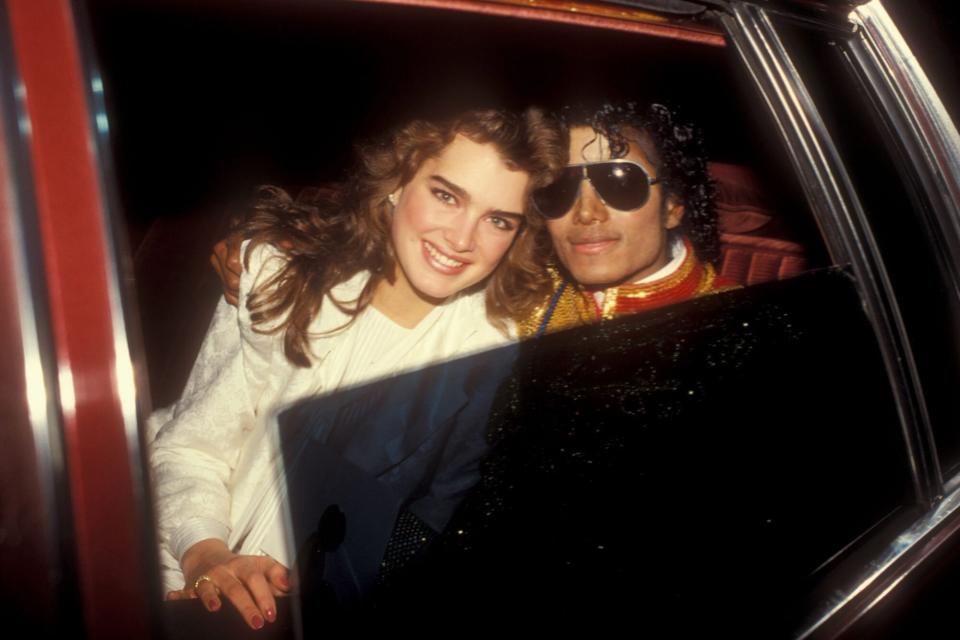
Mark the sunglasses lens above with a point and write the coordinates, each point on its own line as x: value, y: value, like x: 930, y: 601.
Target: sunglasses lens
x: 622, y: 185
x: 554, y: 200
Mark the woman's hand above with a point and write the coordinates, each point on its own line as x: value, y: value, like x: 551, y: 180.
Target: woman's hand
x: 249, y: 582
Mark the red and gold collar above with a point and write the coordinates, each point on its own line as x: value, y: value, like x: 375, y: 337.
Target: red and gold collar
x: 571, y: 306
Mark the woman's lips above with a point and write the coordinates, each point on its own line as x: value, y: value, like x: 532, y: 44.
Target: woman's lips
x: 592, y: 246
x: 440, y: 261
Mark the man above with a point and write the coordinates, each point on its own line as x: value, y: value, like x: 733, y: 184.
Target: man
x: 631, y: 219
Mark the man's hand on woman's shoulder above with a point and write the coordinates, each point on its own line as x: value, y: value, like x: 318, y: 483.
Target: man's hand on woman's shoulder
x: 225, y: 260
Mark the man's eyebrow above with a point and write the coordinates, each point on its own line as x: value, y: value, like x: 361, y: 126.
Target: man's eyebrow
x: 458, y: 190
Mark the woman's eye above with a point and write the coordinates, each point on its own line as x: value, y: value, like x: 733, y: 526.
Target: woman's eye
x: 502, y: 223
x: 445, y: 196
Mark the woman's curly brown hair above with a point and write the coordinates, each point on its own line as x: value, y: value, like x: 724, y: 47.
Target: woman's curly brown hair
x: 330, y: 234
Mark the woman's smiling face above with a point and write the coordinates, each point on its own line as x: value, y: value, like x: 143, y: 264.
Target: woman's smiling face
x: 456, y: 218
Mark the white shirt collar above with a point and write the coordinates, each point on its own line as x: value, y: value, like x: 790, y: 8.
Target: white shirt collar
x: 678, y: 252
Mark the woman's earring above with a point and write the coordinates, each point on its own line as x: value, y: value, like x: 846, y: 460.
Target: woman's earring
x: 392, y: 198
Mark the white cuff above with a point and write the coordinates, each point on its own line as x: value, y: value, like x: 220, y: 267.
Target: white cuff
x: 195, y: 530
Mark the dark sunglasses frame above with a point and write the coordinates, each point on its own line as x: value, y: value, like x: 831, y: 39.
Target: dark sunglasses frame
x: 588, y: 173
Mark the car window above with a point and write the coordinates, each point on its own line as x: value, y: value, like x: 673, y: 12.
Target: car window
x: 750, y: 436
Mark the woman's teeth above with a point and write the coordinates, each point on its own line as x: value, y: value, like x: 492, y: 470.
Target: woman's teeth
x: 442, y: 259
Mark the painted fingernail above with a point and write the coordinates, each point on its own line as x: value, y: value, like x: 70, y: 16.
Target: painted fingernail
x: 256, y: 622
x: 282, y: 580
x: 271, y: 615
x: 213, y: 605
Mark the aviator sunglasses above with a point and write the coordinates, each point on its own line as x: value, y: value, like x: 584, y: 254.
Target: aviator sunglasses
x: 621, y: 184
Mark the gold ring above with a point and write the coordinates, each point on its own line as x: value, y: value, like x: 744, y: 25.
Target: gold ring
x: 201, y: 579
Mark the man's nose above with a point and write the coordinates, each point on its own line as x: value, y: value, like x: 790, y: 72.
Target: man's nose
x: 589, y: 207
x: 461, y: 234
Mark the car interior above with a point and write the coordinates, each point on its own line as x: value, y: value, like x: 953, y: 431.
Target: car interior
x: 209, y: 102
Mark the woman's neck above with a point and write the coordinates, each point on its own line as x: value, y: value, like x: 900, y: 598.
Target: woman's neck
x: 400, y: 302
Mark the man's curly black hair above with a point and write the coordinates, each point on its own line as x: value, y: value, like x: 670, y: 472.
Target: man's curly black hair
x: 676, y: 149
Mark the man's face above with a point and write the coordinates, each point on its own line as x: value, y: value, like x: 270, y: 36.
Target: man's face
x: 601, y: 246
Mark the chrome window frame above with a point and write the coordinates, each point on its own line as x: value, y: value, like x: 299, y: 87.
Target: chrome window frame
x: 842, y: 219
x: 893, y: 78
x: 924, y: 133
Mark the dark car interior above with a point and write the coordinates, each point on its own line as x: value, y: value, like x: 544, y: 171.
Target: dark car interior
x: 209, y: 103
x: 737, y: 428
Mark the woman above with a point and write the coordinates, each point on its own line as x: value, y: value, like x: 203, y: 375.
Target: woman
x: 420, y: 257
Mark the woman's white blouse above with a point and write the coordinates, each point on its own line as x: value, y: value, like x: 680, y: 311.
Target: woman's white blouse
x: 210, y: 452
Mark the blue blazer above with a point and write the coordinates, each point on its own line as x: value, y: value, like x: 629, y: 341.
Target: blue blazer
x: 413, y: 442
